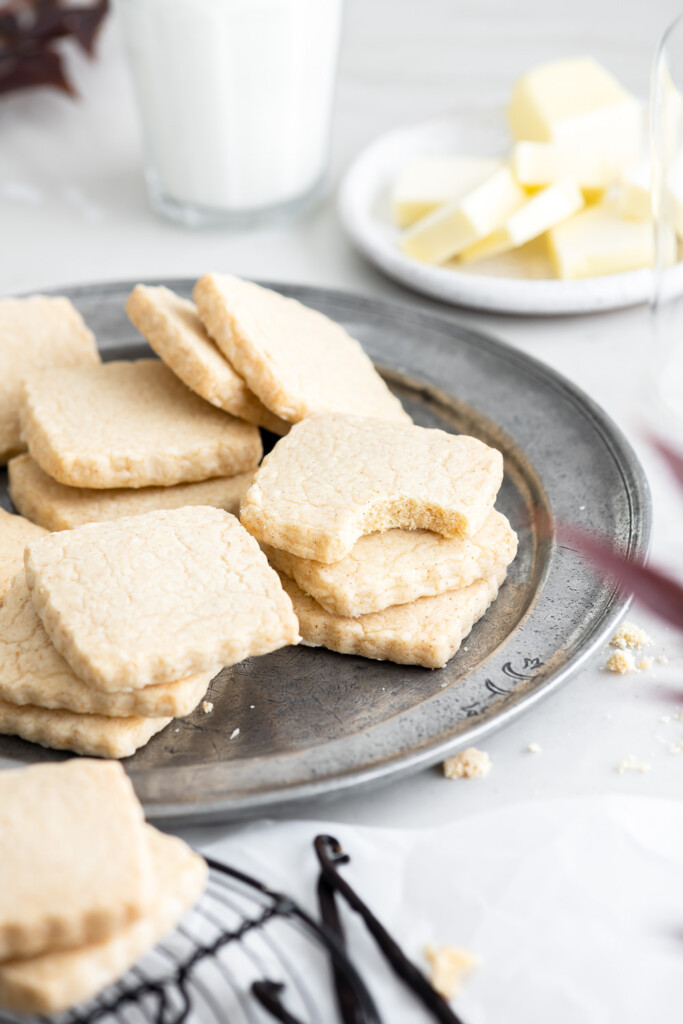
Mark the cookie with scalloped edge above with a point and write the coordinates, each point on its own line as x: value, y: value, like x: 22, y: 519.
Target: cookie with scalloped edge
x: 295, y: 359
x: 59, y: 507
x: 334, y: 478
x: 172, y: 327
x: 131, y: 424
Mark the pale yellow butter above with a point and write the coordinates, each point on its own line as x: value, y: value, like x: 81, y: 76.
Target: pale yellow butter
x: 547, y: 208
x: 600, y: 241
x: 577, y: 103
x: 431, y: 181
x: 537, y: 164
x: 450, y: 229
x: 635, y: 193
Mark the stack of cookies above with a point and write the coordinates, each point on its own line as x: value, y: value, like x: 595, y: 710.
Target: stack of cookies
x: 384, y: 534
x: 115, y: 628
x: 90, y: 888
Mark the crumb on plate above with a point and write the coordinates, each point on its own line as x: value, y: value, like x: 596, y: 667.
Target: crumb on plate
x: 207, y: 707
x: 630, y: 635
x: 534, y: 748
x: 450, y: 967
x: 621, y: 662
x: 468, y: 764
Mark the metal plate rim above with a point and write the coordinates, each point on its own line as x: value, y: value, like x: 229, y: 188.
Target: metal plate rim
x: 231, y: 808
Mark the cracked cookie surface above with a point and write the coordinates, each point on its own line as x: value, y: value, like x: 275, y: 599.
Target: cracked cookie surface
x: 37, y: 332
x: 334, y: 478
x: 32, y: 671
x: 130, y: 424
x: 172, y: 327
x: 295, y: 359
x: 157, y: 597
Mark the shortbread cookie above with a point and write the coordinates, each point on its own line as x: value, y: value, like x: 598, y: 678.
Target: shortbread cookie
x: 425, y: 632
x: 59, y: 507
x: 297, y: 361
x: 334, y: 478
x: 130, y: 425
x: 32, y: 671
x: 92, y: 735
x: 399, y: 566
x: 74, y: 856
x: 172, y: 327
x: 54, y: 982
x: 35, y: 333
x: 157, y: 597
x: 15, y: 533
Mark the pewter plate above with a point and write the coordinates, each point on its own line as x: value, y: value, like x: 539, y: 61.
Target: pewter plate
x: 313, y: 723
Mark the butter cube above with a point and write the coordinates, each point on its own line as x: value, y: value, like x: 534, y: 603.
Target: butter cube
x: 577, y: 103
x: 452, y: 228
x: 540, y: 213
x: 600, y: 241
x: 537, y: 164
x: 635, y: 194
x: 430, y: 181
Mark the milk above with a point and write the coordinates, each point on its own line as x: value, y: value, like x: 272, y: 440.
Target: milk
x: 235, y: 99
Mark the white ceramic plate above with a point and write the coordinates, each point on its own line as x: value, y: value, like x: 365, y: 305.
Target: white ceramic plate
x: 518, y: 282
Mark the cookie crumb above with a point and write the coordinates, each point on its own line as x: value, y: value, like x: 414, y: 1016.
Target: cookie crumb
x: 662, y: 660
x: 632, y: 764
x: 468, y: 764
x: 645, y: 664
x: 629, y: 635
x: 234, y: 734
x: 621, y: 662
x: 450, y: 965
x: 207, y: 707
x: 534, y: 748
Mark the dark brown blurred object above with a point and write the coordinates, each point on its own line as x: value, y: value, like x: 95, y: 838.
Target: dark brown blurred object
x: 29, y: 30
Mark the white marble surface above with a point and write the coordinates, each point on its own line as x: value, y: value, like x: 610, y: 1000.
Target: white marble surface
x: 73, y: 209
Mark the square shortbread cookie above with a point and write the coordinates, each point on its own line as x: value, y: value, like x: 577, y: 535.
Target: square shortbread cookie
x: 130, y: 425
x: 334, y: 478
x: 172, y: 327
x: 59, y: 507
x: 297, y: 361
x: 426, y: 632
x: 92, y: 735
x: 36, y: 332
x: 15, y: 533
x: 399, y: 566
x: 152, y: 598
x: 32, y: 671
x: 53, y: 982
x: 74, y: 856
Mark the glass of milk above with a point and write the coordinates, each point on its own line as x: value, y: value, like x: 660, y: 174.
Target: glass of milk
x: 235, y: 98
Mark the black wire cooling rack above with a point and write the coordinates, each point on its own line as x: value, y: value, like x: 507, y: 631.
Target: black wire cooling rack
x: 247, y: 954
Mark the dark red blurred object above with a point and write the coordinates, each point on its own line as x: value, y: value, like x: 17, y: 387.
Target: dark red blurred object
x: 29, y: 35
x: 659, y: 592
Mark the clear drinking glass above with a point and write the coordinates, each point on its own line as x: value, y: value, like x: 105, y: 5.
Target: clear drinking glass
x: 665, y: 367
x: 235, y: 100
